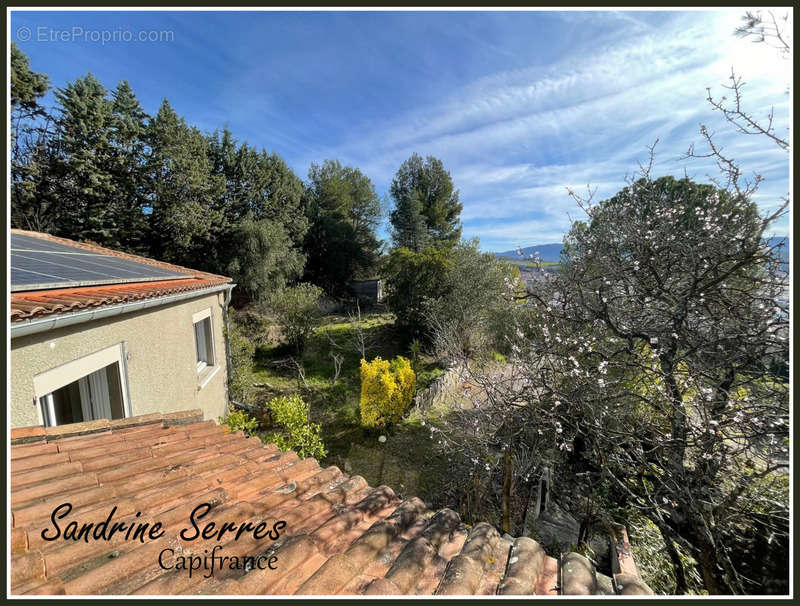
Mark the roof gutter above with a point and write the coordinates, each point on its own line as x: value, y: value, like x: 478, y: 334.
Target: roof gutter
x: 33, y: 326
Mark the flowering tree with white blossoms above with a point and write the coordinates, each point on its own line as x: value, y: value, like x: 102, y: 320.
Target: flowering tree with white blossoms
x: 678, y: 311
x: 650, y: 374
x: 644, y: 375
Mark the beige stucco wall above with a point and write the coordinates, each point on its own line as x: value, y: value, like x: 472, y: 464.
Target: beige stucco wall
x: 161, y: 362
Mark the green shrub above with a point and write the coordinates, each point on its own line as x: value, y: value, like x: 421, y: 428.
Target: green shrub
x: 242, y: 352
x: 426, y: 377
x: 297, y: 311
x: 655, y: 566
x: 415, y: 348
x: 298, y: 433
x: 386, y: 390
x: 238, y: 420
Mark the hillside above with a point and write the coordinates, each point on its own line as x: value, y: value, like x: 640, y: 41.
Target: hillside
x: 547, y: 253
x: 551, y: 252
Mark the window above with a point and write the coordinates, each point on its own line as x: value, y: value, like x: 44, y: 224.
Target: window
x: 203, y: 340
x: 90, y: 388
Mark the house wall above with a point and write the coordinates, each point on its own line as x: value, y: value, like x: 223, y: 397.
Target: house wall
x: 161, y: 365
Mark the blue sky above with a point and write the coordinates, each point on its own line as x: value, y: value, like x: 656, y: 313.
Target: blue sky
x: 518, y: 105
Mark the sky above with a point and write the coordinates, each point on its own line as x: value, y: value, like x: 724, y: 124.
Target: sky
x: 519, y: 106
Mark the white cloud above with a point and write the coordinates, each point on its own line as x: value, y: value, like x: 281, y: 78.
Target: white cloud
x: 515, y: 140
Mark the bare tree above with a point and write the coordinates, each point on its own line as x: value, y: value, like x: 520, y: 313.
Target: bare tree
x: 296, y: 365
x: 338, y: 360
x: 761, y: 28
x: 771, y: 29
x: 361, y: 342
x: 651, y: 373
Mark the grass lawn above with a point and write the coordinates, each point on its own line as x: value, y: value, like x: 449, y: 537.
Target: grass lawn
x: 405, y: 461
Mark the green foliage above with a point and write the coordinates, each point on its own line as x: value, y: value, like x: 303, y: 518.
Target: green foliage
x: 460, y: 291
x: 242, y: 351
x: 185, y: 218
x: 103, y: 171
x: 426, y: 377
x: 475, y: 303
x: 254, y: 324
x: 262, y: 211
x: 298, y: 433
x: 670, y: 293
x: 427, y: 211
x: 411, y: 279
x: 297, y: 311
x: 344, y: 212
x: 27, y: 86
x: 86, y: 210
x: 127, y: 138
x: 387, y: 390
x: 497, y: 356
x: 655, y: 566
x: 33, y: 167
x: 415, y: 348
x: 265, y: 258
x: 239, y: 420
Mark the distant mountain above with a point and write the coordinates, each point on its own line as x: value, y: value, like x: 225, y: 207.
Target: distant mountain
x: 552, y: 252
x: 547, y: 252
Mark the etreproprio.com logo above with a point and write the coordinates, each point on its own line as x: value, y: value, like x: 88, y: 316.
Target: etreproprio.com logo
x: 44, y: 33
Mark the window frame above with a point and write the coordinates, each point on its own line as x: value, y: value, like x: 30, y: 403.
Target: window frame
x: 52, y: 379
x: 205, y: 316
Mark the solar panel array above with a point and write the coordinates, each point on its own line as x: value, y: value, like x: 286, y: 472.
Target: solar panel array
x: 38, y: 264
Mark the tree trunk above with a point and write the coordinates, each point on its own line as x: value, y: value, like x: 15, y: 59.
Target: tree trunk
x: 681, y: 585
x: 709, y: 565
x: 507, y: 475
x: 523, y: 528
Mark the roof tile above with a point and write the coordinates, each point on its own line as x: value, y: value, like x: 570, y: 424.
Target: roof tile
x: 526, y: 564
x: 340, y: 536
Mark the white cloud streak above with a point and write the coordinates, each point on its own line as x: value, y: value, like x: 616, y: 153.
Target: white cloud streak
x: 514, y: 141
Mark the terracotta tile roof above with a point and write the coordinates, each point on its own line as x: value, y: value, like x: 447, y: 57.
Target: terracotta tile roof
x: 341, y: 536
x: 37, y: 303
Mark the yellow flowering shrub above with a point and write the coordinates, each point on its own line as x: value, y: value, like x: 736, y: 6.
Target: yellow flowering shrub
x: 387, y: 389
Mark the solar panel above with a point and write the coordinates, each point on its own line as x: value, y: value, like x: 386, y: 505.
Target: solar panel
x: 38, y: 264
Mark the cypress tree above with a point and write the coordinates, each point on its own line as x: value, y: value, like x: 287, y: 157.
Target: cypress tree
x: 32, y: 147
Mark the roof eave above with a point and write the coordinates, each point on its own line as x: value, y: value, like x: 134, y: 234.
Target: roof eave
x: 53, y: 321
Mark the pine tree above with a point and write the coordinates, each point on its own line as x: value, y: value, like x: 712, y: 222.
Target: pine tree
x: 279, y: 195
x: 27, y: 86
x: 410, y: 229
x: 344, y: 211
x: 261, y: 210
x: 427, y: 210
x: 32, y: 147
x: 183, y: 192
x: 86, y: 189
x: 128, y: 145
